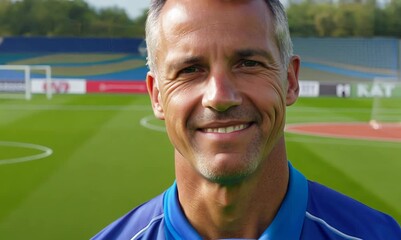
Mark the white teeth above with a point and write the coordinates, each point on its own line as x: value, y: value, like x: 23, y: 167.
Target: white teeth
x: 226, y: 129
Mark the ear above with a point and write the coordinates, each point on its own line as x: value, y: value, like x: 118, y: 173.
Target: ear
x: 154, y: 95
x: 292, y: 78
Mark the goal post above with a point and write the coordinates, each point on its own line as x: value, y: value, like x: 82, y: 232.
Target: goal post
x: 48, y: 78
x: 16, y: 80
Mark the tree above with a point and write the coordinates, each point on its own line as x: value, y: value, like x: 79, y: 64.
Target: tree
x: 64, y: 18
x: 301, y: 18
x: 324, y: 20
x: 344, y: 18
x: 393, y: 16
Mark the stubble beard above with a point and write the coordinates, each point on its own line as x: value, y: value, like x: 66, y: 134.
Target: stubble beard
x: 243, y: 166
x: 235, y: 172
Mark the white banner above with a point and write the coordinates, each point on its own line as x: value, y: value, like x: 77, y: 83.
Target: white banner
x: 375, y: 90
x: 60, y: 85
x: 309, y: 89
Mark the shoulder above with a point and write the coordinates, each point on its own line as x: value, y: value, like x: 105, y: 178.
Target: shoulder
x: 334, y: 214
x: 144, y: 222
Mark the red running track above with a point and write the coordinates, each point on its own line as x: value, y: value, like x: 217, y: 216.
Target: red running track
x: 365, y: 131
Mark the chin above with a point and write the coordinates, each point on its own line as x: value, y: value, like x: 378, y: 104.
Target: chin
x: 228, y: 175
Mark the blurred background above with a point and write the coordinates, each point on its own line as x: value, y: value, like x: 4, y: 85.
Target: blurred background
x: 79, y: 145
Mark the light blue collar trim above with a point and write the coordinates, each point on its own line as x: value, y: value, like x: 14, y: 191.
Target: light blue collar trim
x: 177, y: 225
x: 286, y: 225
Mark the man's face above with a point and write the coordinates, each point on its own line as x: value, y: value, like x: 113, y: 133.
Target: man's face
x: 222, y: 89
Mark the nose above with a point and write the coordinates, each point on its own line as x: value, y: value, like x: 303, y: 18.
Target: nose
x: 221, y: 93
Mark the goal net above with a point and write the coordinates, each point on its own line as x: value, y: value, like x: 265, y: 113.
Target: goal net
x: 386, y: 102
x: 16, y: 80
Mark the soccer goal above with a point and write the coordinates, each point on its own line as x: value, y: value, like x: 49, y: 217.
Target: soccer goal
x: 386, y: 102
x: 16, y: 80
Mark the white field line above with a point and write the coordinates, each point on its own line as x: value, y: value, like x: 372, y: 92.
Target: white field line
x: 145, y: 122
x: 45, y: 152
x: 76, y: 107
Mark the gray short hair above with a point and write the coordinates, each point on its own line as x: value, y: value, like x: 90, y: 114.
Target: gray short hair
x: 282, y: 33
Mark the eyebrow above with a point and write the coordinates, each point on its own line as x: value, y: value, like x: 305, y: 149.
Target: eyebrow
x: 243, y: 53
x: 191, y: 60
x: 186, y: 61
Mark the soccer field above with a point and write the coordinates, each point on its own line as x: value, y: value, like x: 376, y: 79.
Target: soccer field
x: 71, y: 165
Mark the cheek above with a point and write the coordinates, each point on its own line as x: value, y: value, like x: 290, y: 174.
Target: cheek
x: 269, y: 99
x: 266, y: 91
x: 179, y: 105
x: 180, y: 100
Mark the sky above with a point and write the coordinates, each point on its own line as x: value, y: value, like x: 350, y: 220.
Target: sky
x: 133, y: 8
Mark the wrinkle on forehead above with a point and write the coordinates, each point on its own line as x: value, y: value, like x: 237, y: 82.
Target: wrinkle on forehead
x: 188, y: 15
x: 181, y: 17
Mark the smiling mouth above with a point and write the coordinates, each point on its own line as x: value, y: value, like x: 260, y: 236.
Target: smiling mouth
x: 228, y: 129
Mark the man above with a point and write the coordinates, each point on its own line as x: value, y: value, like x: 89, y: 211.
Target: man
x: 221, y: 75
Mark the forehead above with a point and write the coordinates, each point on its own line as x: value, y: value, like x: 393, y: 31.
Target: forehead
x: 199, y: 8
x: 213, y: 29
x: 180, y: 17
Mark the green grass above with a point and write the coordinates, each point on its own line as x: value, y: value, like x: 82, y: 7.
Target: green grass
x: 369, y: 171
x: 105, y: 162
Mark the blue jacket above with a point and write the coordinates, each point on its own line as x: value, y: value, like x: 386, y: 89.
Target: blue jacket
x: 309, y: 211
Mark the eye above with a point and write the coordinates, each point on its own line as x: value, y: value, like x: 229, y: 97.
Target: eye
x: 191, y: 69
x: 249, y: 63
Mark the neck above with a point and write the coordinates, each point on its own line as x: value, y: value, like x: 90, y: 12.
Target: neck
x: 242, y: 210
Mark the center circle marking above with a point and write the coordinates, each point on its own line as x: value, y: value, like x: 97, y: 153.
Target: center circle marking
x: 45, y: 152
